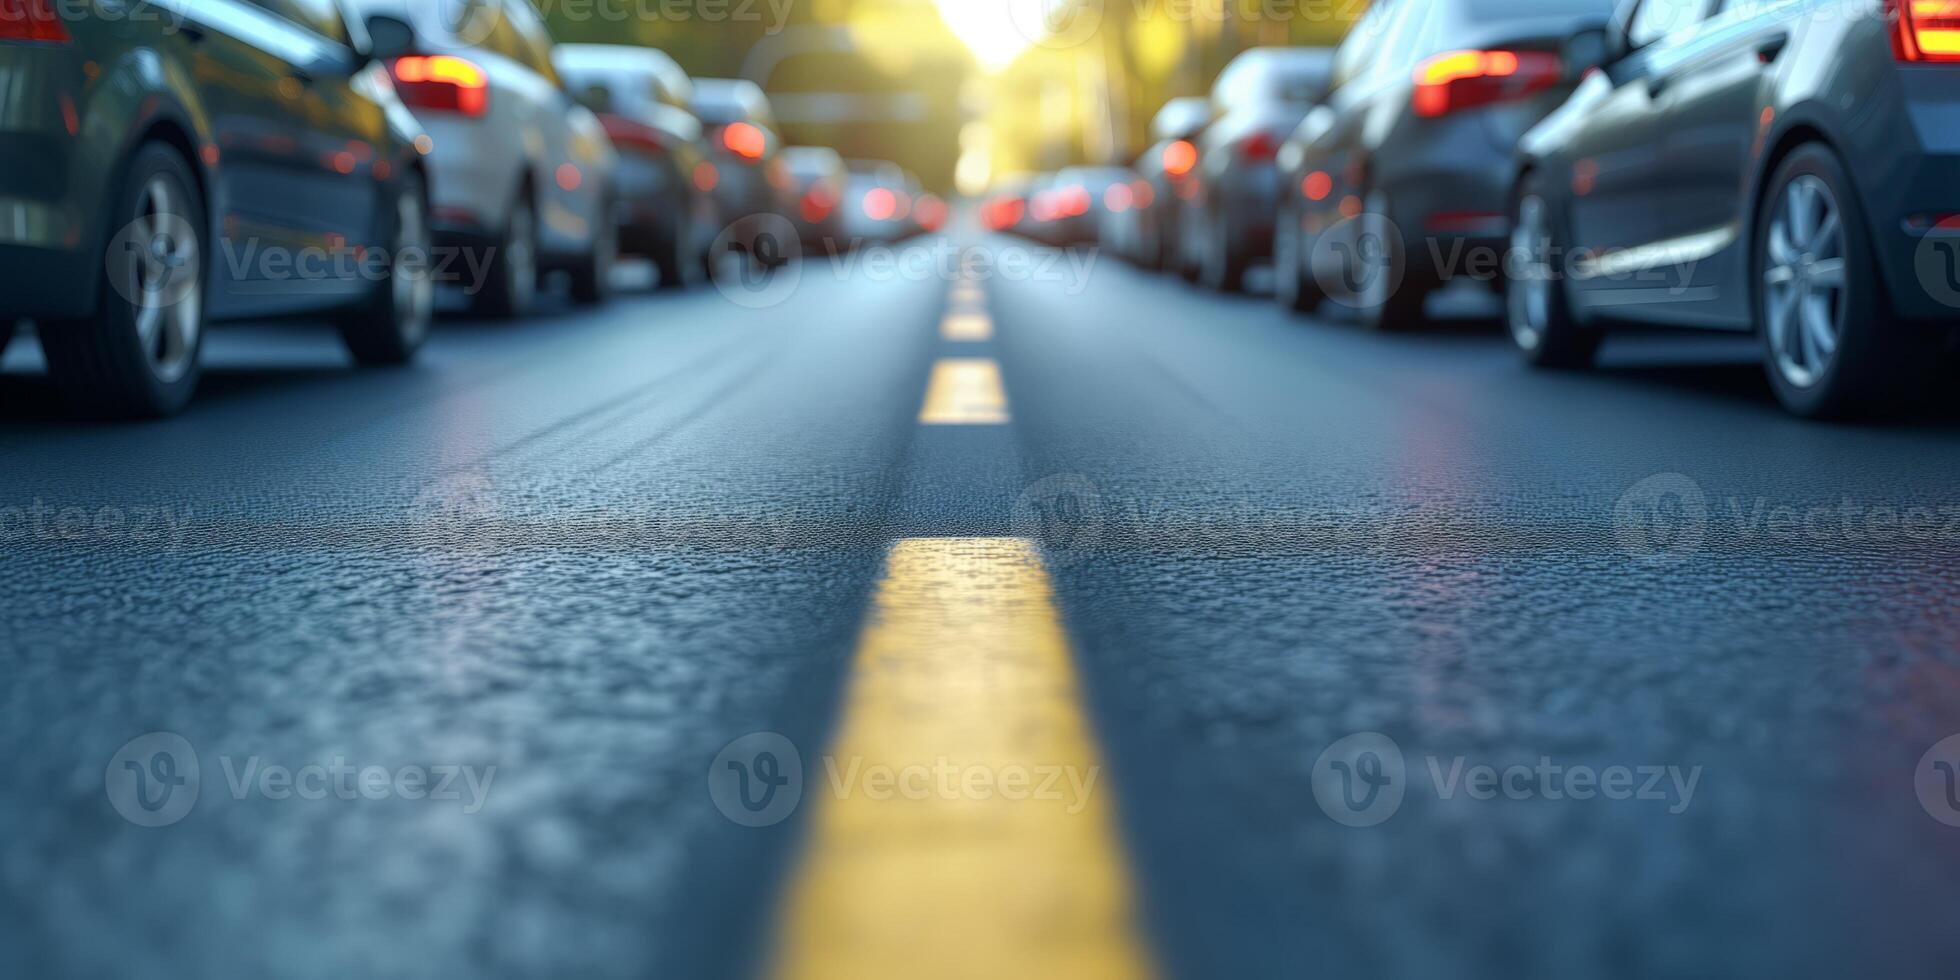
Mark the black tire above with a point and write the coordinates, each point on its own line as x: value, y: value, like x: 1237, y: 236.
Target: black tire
x: 1395, y: 300
x: 1184, y: 259
x: 1879, y: 362
x: 512, y: 288
x: 1537, y: 311
x: 153, y: 268
x: 1224, y: 257
x: 592, y: 275
x: 7, y: 329
x: 394, y: 322
x: 675, y: 259
x: 1293, y: 286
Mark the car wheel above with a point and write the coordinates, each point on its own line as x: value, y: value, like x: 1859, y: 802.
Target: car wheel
x: 675, y: 259
x: 1389, y: 294
x: 1224, y: 261
x: 141, y: 355
x: 394, y: 323
x: 1830, y: 344
x: 1535, y: 305
x: 513, y: 285
x: 1292, y: 286
x: 592, y: 276
x: 1189, y: 249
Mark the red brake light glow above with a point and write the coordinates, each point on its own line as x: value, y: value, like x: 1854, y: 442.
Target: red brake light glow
x: 1180, y: 157
x: 444, y: 83
x: 1259, y: 146
x: 1925, y: 30
x: 1460, y: 80
x: 1118, y: 198
x: 744, y: 141
x: 1317, y: 185
x: 32, y: 20
x: 880, y: 204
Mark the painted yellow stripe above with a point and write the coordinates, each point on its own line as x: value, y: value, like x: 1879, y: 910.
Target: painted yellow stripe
x: 967, y: 294
x: 967, y: 327
x: 965, y: 391
x: 962, y: 668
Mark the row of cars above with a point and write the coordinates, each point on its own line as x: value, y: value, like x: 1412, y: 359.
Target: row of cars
x: 168, y: 163
x: 1785, y: 168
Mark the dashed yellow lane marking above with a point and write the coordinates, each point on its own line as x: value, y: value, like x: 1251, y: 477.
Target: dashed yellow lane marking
x: 967, y: 294
x: 935, y: 851
x: 965, y: 391
x: 967, y: 327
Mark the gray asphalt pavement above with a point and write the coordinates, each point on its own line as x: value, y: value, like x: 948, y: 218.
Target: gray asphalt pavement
x: 1294, y: 560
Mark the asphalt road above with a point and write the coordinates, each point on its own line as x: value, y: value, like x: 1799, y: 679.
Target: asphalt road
x: 591, y: 549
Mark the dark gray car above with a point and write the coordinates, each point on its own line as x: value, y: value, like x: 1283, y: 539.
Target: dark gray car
x: 1791, y: 170
x: 1400, y: 181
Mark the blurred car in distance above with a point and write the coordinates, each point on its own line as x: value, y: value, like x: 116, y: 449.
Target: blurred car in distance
x: 1005, y: 205
x: 146, y: 197
x: 818, y: 180
x: 1408, y: 164
x: 1147, y: 233
x: 1784, y: 170
x: 878, y: 202
x: 521, y: 172
x: 1070, y: 210
x: 749, y: 177
x: 643, y: 99
x: 1227, y: 220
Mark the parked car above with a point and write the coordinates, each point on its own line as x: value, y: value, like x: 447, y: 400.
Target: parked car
x: 1148, y: 231
x: 521, y: 172
x: 1005, y: 206
x: 878, y: 201
x: 750, y: 178
x: 819, y: 179
x: 1408, y: 163
x: 644, y: 101
x: 157, y: 175
x: 1787, y: 170
x: 1070, y: 210
x: 1227, y: 220
x: 1124, y: 205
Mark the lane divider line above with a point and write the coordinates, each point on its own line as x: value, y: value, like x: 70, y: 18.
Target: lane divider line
x: 963, y: 826
x: 967, y: 327
x: 965, y: 391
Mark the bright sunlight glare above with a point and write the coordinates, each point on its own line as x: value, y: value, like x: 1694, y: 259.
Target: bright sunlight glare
x: 992, y: 28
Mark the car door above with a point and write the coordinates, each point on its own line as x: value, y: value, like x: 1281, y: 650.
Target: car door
x: 569, y: 137
x: 1714, y: 86
x: 1625, y: 196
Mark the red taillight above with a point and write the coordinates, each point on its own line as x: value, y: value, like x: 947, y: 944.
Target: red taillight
x: 1118, y: 198
x: 744, y: 141
x: 1259, y: 147
x: 1143, y: 193
x: 880, y: 204
x: 1925, y: 30
x: 1317, y: 185
x: 627, y: 134
x: 443, y: 83
x: 817, y: 203
x: 1465, y: 79
x: 1180, y: 157
x: 931, y: 212
x: 32, y: 20
x: 1003, y: 213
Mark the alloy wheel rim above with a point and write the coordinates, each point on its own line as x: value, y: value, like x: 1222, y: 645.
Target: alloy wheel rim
x: 414, y: 289
x: 1530, y: 298
x: 169, y: 281
x: 1804, y: 280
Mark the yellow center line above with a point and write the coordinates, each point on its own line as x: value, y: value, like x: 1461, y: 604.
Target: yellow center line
x: 940, y: 846
x: 967, y: 327
x: 965, y: 391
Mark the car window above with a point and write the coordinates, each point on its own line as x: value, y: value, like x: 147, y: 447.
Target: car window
x: 1351, y: 58
x: 322, y: 17
x: 533, y: 42
x: 1656, y: 19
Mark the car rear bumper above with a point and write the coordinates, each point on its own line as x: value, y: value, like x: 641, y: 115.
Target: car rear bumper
x: 1914, y: 204
x: 50, y: 191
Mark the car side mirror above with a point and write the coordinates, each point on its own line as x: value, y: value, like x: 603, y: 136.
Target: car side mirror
x: 389, y: 37
x: 1587, y: 50
x: 595, y: 97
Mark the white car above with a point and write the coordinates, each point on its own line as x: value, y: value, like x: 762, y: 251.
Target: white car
x: 521, y: 176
